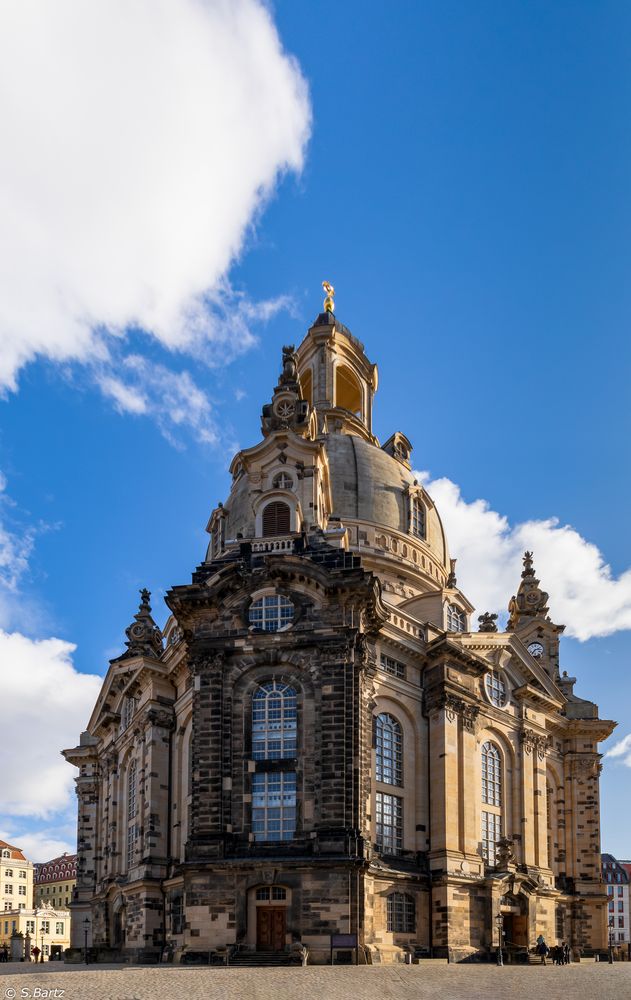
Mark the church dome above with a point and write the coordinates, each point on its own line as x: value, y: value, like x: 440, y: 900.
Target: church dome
x: 371, y: 486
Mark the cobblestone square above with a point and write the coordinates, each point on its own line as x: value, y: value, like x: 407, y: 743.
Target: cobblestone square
x: 450, y: 982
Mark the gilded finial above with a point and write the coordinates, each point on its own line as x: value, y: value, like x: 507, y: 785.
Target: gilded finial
x: 329, y: 302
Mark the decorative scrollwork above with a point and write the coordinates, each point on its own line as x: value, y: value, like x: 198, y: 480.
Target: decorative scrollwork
x: 535, y: 741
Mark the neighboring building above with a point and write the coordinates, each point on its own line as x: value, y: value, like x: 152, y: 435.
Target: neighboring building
x: 616, y: 877
x: 16, y: 879
x: 320, y: 743
x: 55, y: 880
x: 43, y: 928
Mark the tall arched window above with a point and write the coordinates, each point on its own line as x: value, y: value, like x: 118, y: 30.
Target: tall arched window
x: 491, y: 800
x: 274, y: 721
x: 389, y: 750
x: 401, y: 913
x: 132, y: 810
x: 348, y: 393
x: 417, y: 519
x: 276, y: 519
x: 274, y: 737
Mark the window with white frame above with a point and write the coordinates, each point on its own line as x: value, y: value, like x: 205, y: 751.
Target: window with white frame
x: 129, y: 710
x: 132, y: 809
x: 389, y: 823
x: 30, y: 926
x: 492, y: 793
x: 22, y: 874
x: 392, y: 666
x: 274, y: 721
x: 491, y: 775
x: 45, y: 928
x: 271, y: 613
x: 401, y: 913
x: 8, y: 890
x: 282, y: 481
x: 21, y: 890
x: 491, y: 833
x: 388, y: 750
x: 274, y: 805
x: 9, y: 872
x: 417, y: 517
x: 495, y: 688
x: 59, y: 927
x: 456, y: 619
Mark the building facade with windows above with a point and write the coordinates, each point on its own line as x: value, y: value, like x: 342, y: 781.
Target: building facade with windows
x: 55, y: 880
x: 323, y: 740
x: 616, y: 878
x: 42, y: 928
x: 16, y: 879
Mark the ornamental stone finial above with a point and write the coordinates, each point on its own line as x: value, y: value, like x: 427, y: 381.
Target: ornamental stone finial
x: 329, y: 302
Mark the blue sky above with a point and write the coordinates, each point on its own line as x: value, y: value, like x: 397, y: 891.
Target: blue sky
x: 460, y: 172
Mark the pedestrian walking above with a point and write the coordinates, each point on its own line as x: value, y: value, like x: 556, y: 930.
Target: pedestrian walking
x: 542, y: 948
x: 566, y: 953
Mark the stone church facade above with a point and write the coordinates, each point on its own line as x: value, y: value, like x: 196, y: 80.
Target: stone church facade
x: 321, y: 742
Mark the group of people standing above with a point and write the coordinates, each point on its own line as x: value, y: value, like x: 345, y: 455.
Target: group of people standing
x: 559, y: 953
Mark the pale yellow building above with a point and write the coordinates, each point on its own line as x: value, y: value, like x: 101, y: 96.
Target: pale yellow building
x: 42, y: 928
x: 16, y: 879
x: 55, y: 880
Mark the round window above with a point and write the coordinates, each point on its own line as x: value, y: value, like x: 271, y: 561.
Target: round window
x: 495, y: 688
x: 271, y: 613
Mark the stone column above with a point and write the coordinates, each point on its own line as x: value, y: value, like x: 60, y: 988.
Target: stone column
x: 527, y: 798
x: 469, y: 771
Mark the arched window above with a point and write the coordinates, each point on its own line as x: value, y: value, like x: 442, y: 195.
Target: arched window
x: 276, y: 519
x: 389, y: 750
x: 456, y: 619
x: 306, y: 386
x: 348, y: 393
x: 129, y: 710
x: 132, y: 809
x: 274, y: 733
x: 491, y: 800
x: 274, y: 721
x: 417, y: 520
x: 282, y: 481
x: 271, y: 613
x: 401, y: 913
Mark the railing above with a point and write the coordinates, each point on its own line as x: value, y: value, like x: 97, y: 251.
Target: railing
x: 284, y: 544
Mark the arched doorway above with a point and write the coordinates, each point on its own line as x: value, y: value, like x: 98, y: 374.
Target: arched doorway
x: 268, y: 908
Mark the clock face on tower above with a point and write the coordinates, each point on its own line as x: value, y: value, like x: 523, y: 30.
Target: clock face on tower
x: 535, y: 649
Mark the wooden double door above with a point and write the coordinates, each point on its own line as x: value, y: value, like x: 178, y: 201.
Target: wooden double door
x: 271, y: 928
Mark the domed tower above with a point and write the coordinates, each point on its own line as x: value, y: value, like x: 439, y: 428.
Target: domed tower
x: 320, y: 475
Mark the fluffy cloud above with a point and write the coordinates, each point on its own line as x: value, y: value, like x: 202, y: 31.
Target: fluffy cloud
x: 621, y: 750
x: 584, y: 594
x: 140, y: 142
x: 47, y: 704
x: 40, y: 845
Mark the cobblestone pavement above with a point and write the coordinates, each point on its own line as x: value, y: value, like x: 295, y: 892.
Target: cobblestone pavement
x: 449, y: 982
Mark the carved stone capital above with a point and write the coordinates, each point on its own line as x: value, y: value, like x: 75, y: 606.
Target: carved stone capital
x: 532, y: 741
x: 455, y: 707
x: 161, y: 717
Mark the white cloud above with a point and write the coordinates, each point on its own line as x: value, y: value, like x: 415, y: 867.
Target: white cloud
x: 50, y: 704
x: 140, y: 143
x: 584, y: 594
x: 40, y: 845
x: 622, y: 749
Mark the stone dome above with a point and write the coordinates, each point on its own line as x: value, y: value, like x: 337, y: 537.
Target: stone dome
x: 371, y: 486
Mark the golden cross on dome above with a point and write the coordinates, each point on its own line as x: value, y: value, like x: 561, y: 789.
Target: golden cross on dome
x: 329, y: 303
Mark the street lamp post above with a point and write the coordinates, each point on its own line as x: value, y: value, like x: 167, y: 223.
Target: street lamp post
x: 500, y: 933
x: 611, y: 943
x: 86, y: 927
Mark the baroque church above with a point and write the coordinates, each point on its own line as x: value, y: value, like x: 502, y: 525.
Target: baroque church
x: 324, y: 752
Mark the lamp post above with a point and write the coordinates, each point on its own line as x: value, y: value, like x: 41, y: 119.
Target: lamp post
x: 611, y: 942
x: 500, y: 933
x: 86, y: 928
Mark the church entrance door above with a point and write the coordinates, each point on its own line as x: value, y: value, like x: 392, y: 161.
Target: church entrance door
x: 270, y: 928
